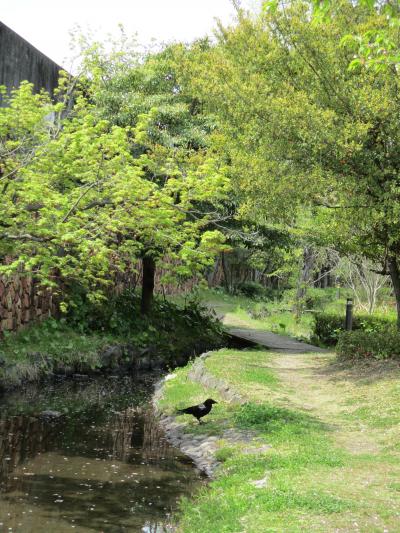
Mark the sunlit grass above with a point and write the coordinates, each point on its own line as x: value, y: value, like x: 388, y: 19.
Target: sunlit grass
x: 312, y: 481
x: 243, y: 312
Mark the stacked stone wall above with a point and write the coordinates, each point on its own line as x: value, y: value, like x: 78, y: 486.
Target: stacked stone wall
x: 23, y: 300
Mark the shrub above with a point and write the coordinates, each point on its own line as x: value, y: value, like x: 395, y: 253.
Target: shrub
x: 365, y: 344
x: 169, y: 329
x: 329, y: 326
x: 319, y: 298
x: 251, y: 289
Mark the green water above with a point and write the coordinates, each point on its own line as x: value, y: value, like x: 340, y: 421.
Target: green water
x: 102, y: 466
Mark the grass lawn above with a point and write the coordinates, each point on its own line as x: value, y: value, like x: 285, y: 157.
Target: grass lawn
x: 333, y: 433
x: 277, y: 316
x: 243, y: 312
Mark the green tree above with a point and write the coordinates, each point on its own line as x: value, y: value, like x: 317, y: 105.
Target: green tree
x: 312, y: 144
x: 374, y: 48
x: 77, y: 202
x: 171, y: 136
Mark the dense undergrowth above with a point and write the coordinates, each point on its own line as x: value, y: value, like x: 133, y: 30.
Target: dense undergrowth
x: 170, y: 328
x: 321, y: 322
x: 329, y: 327
x: 109, y: 337
x: 384, y: 344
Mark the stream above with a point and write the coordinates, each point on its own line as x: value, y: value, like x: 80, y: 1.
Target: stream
x: 98, y: 463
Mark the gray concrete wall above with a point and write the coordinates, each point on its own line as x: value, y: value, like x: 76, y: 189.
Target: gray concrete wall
x: 21, y: 61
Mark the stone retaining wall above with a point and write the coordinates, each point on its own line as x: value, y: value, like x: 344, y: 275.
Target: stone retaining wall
x: 23, y: 300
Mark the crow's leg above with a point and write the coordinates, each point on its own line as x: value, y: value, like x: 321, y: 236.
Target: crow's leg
x: 199, y: 419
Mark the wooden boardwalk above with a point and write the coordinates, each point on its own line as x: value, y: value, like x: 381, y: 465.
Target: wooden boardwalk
x: 272, y: 341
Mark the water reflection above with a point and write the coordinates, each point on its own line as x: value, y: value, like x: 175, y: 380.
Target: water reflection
x: 101, y: 466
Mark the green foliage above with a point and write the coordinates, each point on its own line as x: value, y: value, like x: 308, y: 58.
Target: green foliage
x: 329, y: 326
x: 84, y: 196
x: 375, y: 49
x: 170, y: 331
x: 324, y: 163
x: 49, y: 346
x: 381, y: 344
x: 251, y: 289
x: 319, y: 299
x: 74, y: 344
x: 50, y: 339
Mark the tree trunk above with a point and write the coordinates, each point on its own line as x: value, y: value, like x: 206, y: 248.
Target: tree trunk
x: 395, y: 277
x: 149, y: 272
x: 212, y: 274
x: 305, y: 277
x: 225, y: 271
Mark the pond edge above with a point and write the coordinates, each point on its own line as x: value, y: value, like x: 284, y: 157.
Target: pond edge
x: 201, y: 449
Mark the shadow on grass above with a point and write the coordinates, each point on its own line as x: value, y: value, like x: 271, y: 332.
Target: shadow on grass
x: 267, y: 418
x: 361, y: 372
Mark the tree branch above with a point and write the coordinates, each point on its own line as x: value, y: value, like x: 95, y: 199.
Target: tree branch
x: 25, y: 237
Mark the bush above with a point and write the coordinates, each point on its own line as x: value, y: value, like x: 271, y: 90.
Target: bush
x: 169, y: 330
x: 319, y: 298
x: 251, y: 289
x: 366, y: 345
x: 329, y: 326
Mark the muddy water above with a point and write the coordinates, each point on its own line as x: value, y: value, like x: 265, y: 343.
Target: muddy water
x: 101, y: 466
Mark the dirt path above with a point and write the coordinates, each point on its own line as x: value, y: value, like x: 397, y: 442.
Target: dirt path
x: 353, y: 402
x: 358, y: 403
x: 327, y: 392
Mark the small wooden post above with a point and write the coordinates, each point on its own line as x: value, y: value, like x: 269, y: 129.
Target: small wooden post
x: 349, y: 315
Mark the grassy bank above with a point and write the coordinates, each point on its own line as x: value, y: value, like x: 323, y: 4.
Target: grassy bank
x: 109, y: 339
x: 44, y: 348
x: 333, y: 457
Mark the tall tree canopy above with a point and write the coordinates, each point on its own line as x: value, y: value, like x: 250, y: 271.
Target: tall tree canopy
x: 172, y: 136
x: 83, y: 197
x: 312, y: 144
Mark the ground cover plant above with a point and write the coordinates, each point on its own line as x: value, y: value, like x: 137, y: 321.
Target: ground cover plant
x: 47, y: 347
x: 330, y: 463
x: 381, y: 344
x: 329, y: 326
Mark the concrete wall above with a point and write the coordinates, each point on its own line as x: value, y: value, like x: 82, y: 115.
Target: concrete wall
x: 21, y: 298
x: 21, y: 61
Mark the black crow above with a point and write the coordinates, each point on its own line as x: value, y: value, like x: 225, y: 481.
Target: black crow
x: 198, y: 411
